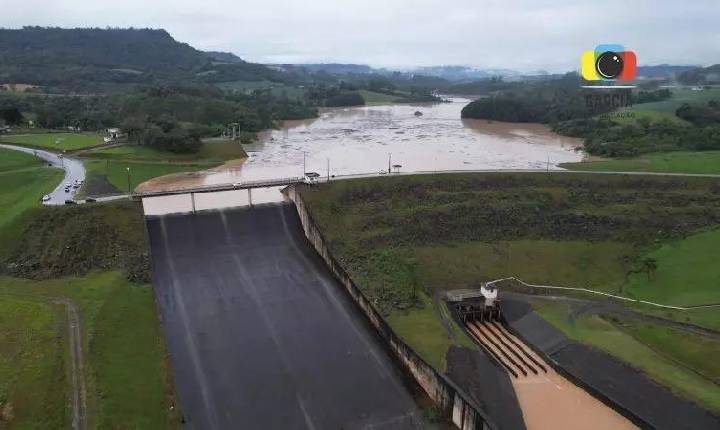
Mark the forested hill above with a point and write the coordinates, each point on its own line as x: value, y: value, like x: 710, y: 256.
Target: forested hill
x: 71, y: 58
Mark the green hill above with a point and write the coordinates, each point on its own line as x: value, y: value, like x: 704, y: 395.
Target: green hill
x: 83, y: 58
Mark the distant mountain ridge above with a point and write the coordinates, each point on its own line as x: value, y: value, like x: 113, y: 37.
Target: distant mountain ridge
x: 82, y: 57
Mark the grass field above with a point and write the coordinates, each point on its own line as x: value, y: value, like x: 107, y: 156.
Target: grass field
x: 675, y: 359
x: 704, y: 162
x: 210, y: 153
x: 107, y: 167
x: 24, y: 181
x: 678, y: 98
x: 56, y: 142
x: 33, y: 380
x: 115, y: 172
x: 373, y: 98
x: 278, y: 90
x: 127, y: 375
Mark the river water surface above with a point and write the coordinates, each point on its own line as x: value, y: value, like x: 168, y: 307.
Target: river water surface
x: 362, y: 140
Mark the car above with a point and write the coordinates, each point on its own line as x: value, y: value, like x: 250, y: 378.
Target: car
x: 90, y: 200
x: 67, y: 189
x: 46, y: 198
x: 76, y: 186
x: 70, y: 202
x: 60, y: 156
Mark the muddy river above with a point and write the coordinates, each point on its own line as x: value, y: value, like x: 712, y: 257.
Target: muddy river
x: 364, y: 140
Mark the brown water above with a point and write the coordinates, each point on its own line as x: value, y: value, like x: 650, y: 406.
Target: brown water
x: 362, y: 140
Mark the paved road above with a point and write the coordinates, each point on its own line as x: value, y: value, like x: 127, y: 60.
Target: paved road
x: 74, y: 170
x: 259, y: 333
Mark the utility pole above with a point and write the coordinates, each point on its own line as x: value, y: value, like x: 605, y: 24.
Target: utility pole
x: 548, y: 164
x: 128, y: 179
x: 304, y: 168
x: 328, y: 170
x: 389, y: 161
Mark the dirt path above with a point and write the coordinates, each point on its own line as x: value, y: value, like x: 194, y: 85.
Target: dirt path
x: 77, y: 365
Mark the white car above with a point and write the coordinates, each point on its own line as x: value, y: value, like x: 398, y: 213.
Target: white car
x: 46, y: 198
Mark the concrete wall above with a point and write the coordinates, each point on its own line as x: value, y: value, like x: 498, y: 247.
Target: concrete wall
x: 454, y: 404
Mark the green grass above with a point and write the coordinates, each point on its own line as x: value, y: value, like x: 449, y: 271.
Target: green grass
x: 116, y: 171
x: 687, y: 272
x: 57, y: 142
x: 595, y: 265
x: 212, y: 153
x: 24, y: 182
x: 701, y: 162
x: 687, y: 349
x: 661, y: 367
x: 421, y: 328
x: 33, y: 381
x: 127, y: 373
x: 373, y: 98
x: 14, y: 160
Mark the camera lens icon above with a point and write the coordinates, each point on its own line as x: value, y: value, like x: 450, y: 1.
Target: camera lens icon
x: 609, y: 63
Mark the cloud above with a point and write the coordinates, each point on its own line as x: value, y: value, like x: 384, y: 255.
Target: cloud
x: 525, y: 35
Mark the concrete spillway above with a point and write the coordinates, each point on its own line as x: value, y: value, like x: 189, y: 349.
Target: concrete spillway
x: 259, y: 333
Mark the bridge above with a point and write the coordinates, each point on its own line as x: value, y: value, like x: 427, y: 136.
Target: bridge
x: 245, y: 185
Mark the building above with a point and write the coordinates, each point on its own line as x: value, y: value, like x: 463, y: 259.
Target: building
x: 111, y: 134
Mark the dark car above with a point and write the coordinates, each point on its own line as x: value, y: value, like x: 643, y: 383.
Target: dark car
x: 70, y: 202
x: 90, y: 200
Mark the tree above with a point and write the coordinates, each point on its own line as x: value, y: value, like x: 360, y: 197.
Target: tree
x: 11, y: 115
x: 650, y: 265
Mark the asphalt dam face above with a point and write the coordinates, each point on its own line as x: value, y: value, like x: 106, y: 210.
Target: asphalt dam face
x: 259, y: 333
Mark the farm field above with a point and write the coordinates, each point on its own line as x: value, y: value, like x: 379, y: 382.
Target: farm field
x: 56, y: 142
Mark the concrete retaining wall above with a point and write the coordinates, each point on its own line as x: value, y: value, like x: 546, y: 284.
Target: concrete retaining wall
x: 454, y: 404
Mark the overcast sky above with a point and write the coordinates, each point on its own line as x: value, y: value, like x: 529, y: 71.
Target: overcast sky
x: 522, y: 34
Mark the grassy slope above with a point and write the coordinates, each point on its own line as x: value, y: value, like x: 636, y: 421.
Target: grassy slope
x: 381, y: 228
x: 568, y: 263
x: 373, y: 98
x: 655, y: 351
x: 210, y: 153
x: 24, y: 181
x: 33, y: 381
x: 54, y: 141
x: 128, y: 377
x: 688, y: 272
x: 705, y: 162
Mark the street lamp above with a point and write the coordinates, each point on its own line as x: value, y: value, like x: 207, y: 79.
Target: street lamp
x: 128, y: 179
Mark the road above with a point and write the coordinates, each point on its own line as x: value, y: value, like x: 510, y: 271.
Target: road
x: 74, y: 170
x: 259, y: 333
